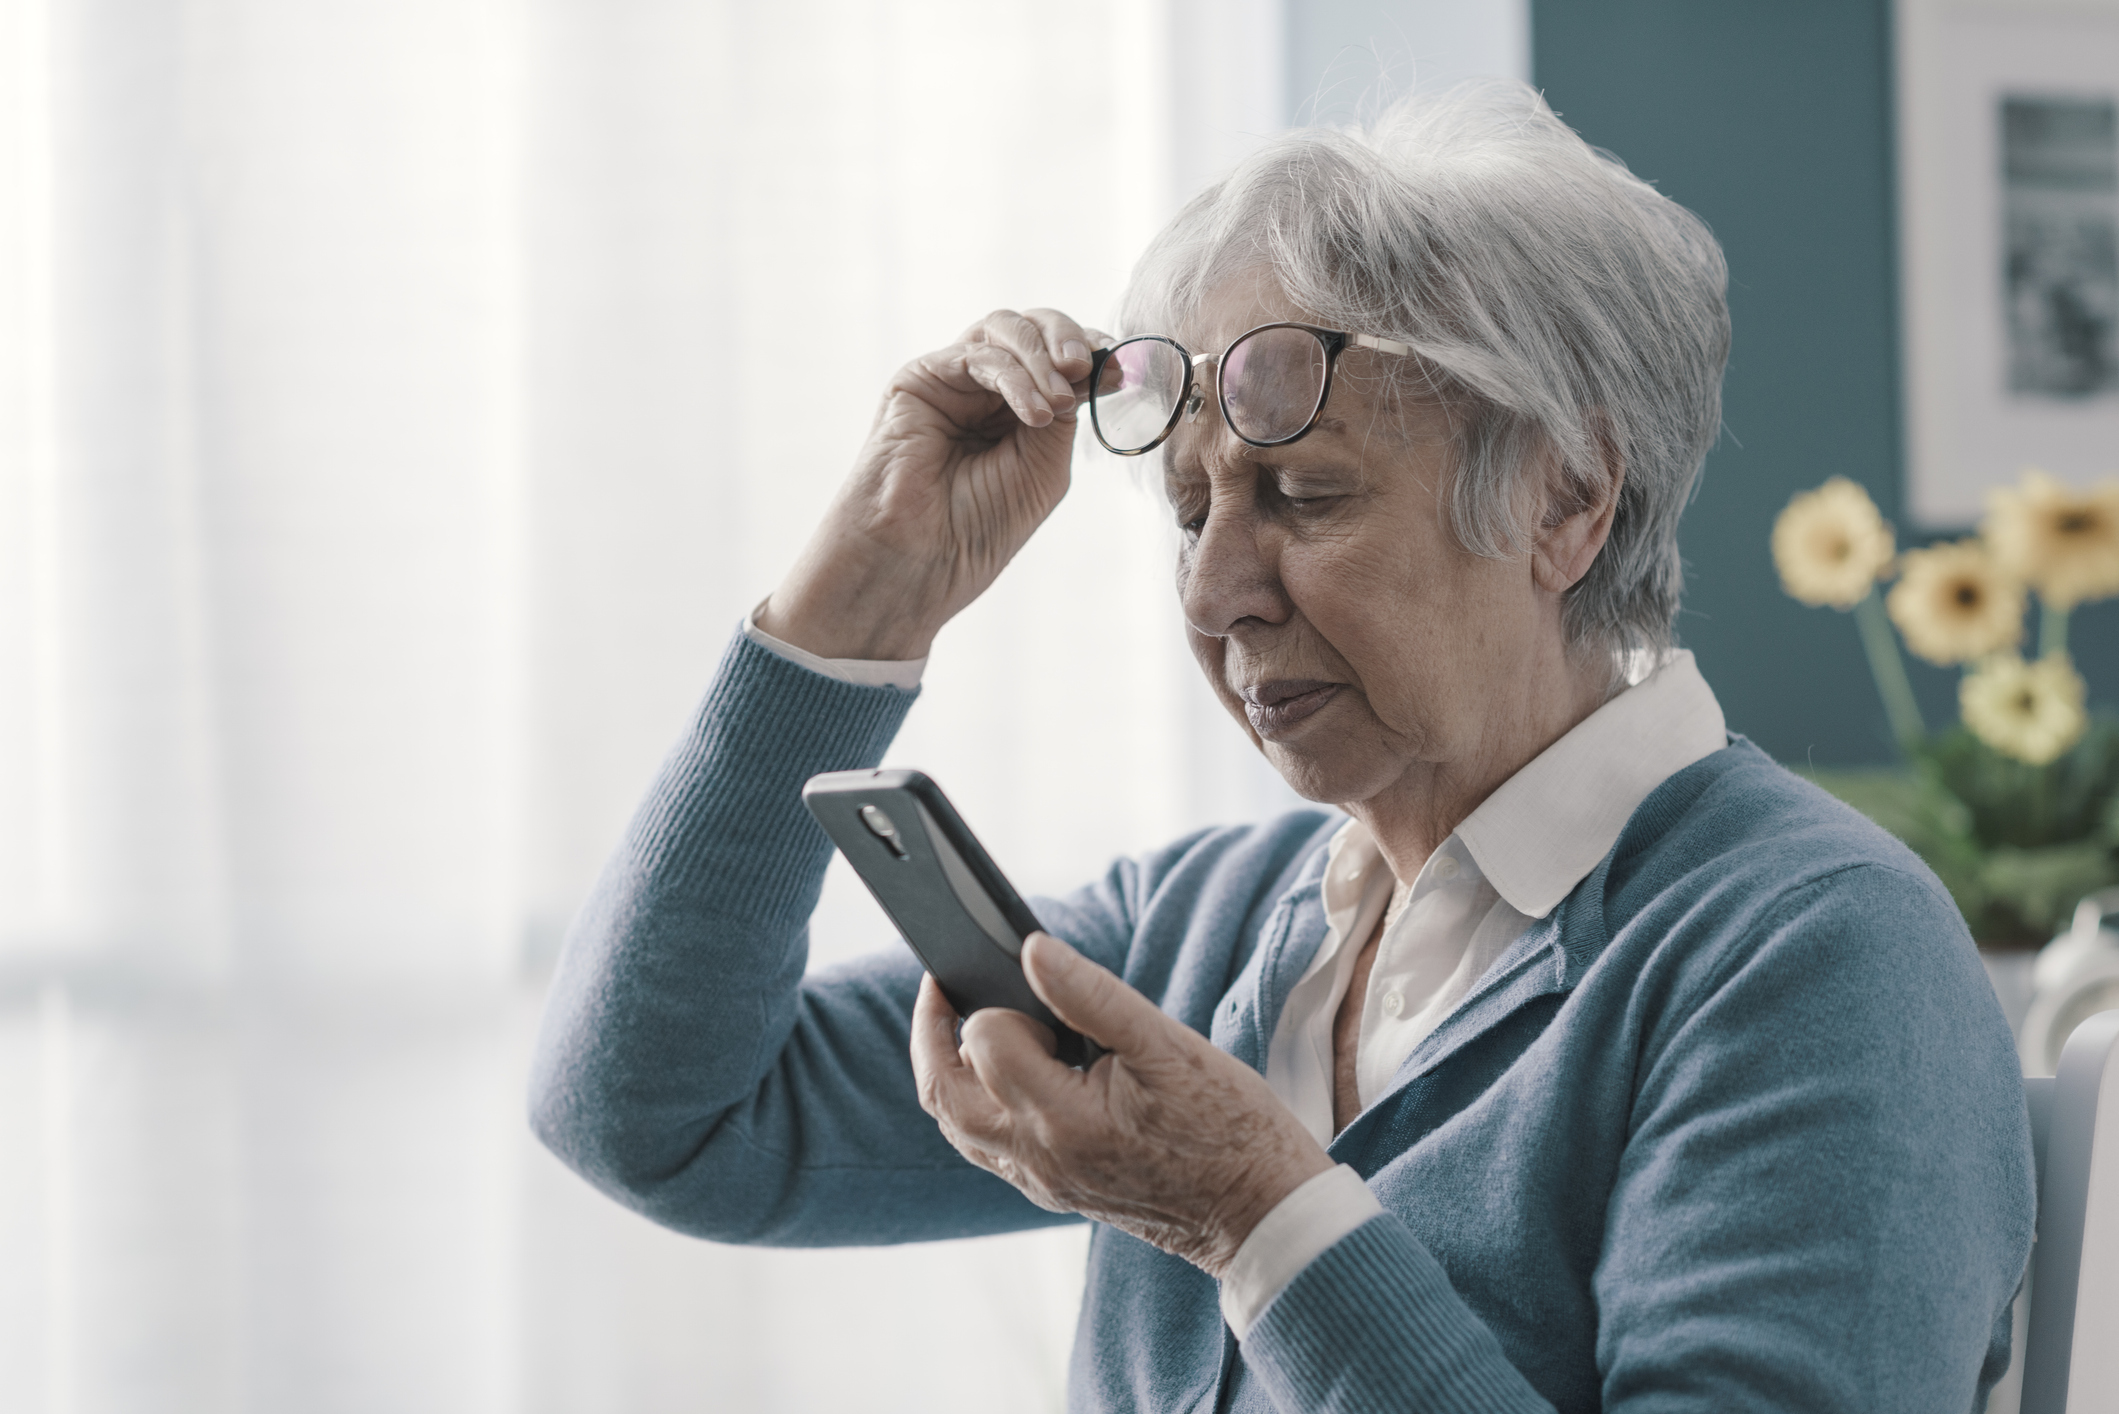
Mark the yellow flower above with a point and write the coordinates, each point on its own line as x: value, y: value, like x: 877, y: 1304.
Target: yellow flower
x: 2063, y: 543
x: 1830, y: 544
x: 1953, y: 603
x: 2031, y: 711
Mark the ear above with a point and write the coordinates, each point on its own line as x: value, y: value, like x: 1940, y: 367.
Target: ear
x: 1575, y: 514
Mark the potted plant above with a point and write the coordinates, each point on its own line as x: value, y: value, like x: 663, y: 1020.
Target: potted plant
x: 2016, y: 806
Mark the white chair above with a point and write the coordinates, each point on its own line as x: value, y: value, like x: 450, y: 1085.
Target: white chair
x: 2070, y: 1350
x: 2075, y: 976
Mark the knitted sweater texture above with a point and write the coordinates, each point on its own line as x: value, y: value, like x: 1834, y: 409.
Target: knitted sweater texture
x: 1738, y: 1126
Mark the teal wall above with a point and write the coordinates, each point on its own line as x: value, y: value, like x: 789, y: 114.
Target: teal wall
x: 1772, y: 120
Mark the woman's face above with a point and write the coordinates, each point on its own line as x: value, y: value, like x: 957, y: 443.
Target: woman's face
x: 1328, y: 602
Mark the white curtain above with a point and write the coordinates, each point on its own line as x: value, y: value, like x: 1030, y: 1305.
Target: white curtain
x: 400, y: 403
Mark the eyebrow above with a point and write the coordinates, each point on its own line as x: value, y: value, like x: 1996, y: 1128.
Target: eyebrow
x: 1337, y: 426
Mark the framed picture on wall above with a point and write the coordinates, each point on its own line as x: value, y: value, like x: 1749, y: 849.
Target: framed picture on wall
x: 2008, y: 170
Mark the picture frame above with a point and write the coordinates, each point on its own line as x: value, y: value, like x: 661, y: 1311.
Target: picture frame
x: 2008, y: 235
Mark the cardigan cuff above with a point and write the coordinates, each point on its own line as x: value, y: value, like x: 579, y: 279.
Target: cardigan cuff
x: 1301, y: 1226
x: 903, y: 674
x: 1374, y: 1323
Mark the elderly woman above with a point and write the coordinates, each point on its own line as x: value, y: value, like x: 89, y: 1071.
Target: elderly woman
x: 1578, y: 1057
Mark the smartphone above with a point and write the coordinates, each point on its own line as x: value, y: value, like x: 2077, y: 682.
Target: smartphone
x: 953, y: 905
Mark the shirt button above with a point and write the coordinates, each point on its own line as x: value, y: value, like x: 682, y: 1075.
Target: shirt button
x: 1393, y: 1003
x: 1445, y: 868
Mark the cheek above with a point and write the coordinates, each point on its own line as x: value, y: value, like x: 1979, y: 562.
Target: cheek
x: 1407, y: 620
x: 1207, y: 652
x: 1211, y: 654
x: 1363, y: 599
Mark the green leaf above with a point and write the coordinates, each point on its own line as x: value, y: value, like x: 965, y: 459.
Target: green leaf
x: 2042, y: 886
x: 2028, y: 806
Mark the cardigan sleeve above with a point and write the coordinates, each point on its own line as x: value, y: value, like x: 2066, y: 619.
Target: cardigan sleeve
x: 1822, y: 1203
x: 685, y: 1065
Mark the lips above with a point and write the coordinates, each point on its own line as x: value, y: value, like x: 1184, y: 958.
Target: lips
x: 1276, y: 707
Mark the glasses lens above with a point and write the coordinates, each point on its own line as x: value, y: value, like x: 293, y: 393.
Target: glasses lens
x: 1272, y: 382
x: 1136, y: 393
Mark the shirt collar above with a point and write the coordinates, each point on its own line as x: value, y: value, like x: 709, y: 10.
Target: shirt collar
x: 1542, y: 831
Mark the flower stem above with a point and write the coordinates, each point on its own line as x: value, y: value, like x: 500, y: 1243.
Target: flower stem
x: 2052, y: 629
x: 1889, y: 670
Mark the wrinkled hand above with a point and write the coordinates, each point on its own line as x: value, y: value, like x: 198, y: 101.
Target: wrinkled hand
x: 1176, y: 1142
x: 968, y: 455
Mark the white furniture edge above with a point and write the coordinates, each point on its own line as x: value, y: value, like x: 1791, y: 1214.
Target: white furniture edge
x: 2064, y: 1122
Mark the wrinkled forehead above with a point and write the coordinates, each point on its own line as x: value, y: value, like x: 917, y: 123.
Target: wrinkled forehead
x: 1229, y: 306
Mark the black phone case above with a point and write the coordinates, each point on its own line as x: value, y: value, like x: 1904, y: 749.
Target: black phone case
x: 952, y: 904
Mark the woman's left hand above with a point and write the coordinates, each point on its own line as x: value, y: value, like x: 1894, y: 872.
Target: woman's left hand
x: 1166, y: 1137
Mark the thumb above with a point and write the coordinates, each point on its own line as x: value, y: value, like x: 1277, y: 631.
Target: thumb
x: 1092, y: 999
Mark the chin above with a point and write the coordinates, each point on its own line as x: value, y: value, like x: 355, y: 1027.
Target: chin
x: 1328, y: 778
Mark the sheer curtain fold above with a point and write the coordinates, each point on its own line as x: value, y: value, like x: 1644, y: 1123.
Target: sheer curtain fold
x: 108, y: 838
x: 354, y: 181
x: 400, y: 402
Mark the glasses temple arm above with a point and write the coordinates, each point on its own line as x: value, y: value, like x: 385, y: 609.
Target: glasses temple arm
x: 1381, y: 345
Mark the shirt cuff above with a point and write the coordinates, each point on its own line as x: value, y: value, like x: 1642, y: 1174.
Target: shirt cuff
x: 902, y: 674
x: 1289, y: 1238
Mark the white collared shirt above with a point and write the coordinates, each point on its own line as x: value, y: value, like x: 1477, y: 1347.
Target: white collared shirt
x: 861, y: 672
x: 1509, y: 864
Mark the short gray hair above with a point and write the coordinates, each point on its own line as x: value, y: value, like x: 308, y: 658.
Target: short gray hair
x: 1552, y: 299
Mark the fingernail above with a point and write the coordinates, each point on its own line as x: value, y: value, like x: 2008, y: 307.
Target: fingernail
x: 1057, y: 955
x: 1059, y: 385
x: 1074, y: 349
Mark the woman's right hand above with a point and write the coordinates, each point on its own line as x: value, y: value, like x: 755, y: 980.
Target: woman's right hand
x: 968, y: 455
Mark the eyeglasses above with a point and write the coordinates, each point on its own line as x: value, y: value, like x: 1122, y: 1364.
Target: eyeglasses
x: 1271, y: 382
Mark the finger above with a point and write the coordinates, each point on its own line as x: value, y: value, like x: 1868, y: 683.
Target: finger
x: 934, y: 1050
x: 1107, y: 378
x: 998, y: 370
x: 1012, y: 1055
x: 995, y: 1022
x: 1068, y: 342
x: 1098, y: 339
x: 948, y: 1088
x: 1094, y: 1000
x: 1027, y: 339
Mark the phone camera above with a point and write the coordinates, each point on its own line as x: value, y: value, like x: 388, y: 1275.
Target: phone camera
x: 880, y: 826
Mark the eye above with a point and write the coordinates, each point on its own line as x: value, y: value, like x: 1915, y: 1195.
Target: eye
x: 1305, y: 492
x: 1308, y: 501
x: 1189, y: 507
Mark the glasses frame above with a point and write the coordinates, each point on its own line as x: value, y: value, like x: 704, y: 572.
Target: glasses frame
x: 1335, y: 342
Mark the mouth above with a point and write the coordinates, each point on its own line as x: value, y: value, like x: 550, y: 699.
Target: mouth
x: 1276, y: 707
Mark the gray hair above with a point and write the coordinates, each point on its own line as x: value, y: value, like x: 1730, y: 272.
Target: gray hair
x: 1552, y: 300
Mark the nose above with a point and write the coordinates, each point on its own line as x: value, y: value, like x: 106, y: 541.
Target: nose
x: 1229, y: 575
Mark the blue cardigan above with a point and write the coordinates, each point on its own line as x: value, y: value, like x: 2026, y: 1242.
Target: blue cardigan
x: 1737, y: 1127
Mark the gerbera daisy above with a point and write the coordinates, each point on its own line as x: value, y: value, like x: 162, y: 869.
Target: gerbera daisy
x: 1830, y: 544
x: 2031, y: 711
x: 2062, y: 542
x: 1954, y: 603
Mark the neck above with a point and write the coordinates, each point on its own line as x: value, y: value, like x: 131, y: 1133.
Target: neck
x: 1412, y: 816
